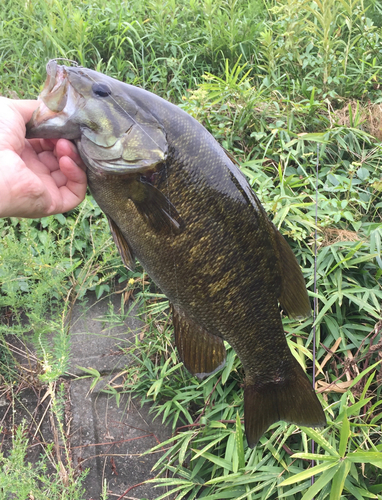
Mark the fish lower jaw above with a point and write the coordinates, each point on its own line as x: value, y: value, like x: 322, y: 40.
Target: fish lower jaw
x: 46, y: 124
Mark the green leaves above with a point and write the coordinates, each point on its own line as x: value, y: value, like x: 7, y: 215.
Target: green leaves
x: 21, y: 479
x: 344, y: 436
x: 239, y: 459
x: 335, y: 464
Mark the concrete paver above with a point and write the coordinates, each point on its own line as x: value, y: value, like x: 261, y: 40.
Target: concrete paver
x: 96, y: 340
x: 110, y: 441
x: 105, y: 438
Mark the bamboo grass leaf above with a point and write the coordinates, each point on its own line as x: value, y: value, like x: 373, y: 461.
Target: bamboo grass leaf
x: 344, y: 435
x: 239, y: 441
x: 221, y: 462
x: 326, y: 307
x: 363, y: 373
x: 312, y: 471
x: 320, y: 483
x: 359, y: 493
x: 370, y: 457
x: 339, y: 480
x: 315, y: 456
x: 320, y: 440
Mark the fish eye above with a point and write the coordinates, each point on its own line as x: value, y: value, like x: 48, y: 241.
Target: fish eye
x: 101, y: 89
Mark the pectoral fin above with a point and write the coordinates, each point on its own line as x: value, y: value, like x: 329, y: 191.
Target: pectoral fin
x: 155, y: 207
x: 122, y: 245
x: 293, y: 297
x: 201, y: 352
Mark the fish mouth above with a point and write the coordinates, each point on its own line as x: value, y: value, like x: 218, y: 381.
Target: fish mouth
x: 57, y: 103
x: 55, y: 92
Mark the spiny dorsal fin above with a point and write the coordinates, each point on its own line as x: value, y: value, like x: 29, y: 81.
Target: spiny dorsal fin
x: 293, y: 297
x: 122, y: 245
x: 231, y: 157
x: 201, y: 352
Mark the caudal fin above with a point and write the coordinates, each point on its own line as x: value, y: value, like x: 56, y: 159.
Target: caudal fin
x: 292, y: 400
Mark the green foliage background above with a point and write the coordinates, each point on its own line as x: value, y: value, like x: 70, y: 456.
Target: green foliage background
x: 284, y: 86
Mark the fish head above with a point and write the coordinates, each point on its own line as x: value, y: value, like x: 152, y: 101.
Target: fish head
x: 113, y: 132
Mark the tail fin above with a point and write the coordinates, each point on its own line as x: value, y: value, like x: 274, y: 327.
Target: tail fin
x: 292, y: 400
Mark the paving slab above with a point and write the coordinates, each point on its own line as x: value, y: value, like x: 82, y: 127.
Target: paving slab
x: 98, y: 333
x: 106, y: 439
x: 109, y: 441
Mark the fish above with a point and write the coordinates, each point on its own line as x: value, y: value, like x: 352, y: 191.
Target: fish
x: 177, y: 201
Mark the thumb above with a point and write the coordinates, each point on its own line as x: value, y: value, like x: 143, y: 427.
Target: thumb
x: 24, y: 107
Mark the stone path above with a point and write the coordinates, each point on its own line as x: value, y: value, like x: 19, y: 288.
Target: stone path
x: 105, y: 438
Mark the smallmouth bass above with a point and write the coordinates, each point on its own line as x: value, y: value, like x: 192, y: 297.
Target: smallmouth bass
x: 175, y: 200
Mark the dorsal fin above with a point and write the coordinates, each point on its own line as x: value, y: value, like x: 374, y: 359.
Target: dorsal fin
x: 293, y: 296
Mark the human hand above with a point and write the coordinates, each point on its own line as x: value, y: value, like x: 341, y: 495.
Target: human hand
x: 38, y: 177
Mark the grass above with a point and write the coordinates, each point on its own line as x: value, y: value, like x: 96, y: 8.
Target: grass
x: 282, y: 85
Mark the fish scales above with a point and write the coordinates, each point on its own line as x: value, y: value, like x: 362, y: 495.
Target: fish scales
x: 214, y: 255
x: 175, y: 201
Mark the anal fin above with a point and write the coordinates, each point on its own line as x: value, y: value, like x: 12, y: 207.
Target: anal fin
x: 122, y: 245
x: 201, y: 352
x: 292, y: 399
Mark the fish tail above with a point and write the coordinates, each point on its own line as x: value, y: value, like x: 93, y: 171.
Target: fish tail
x: 292, y: 399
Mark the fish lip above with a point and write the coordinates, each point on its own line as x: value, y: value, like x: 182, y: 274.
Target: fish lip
x: 55, y: 92
x: 56, y: 99
x: 51, y: 70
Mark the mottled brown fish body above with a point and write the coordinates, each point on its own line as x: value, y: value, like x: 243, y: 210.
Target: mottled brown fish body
x: 220, y: 270
x: 200, y: 232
